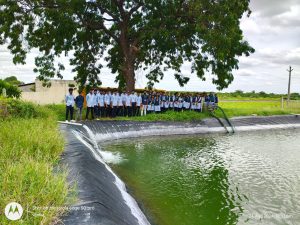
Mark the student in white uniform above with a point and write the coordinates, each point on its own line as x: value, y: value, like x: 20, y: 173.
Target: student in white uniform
x: 101, y: 104
x: 157, y: 108
x: 180, y: 103
x: 107, y: 103
x: 120, y: 111
x: 145, y: 99
x: 127, y: 104
x: 133, y: 98
x: 138, y: 104
x: 114, y: 104
x: 199, y: 104
x: 90, y: 104
x: 95, y: 100
x: 70, y: 102
x: 150, y: 107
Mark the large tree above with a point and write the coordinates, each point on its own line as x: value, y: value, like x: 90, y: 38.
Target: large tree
x: 153, y: 35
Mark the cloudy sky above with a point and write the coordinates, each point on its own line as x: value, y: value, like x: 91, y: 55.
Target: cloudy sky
x: 273, y: 30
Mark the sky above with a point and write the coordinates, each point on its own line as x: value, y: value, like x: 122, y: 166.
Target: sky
x: 273, y: 29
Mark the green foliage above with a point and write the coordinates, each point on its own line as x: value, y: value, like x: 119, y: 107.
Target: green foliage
x: 12, y: 80
x: 13, y: 108
x: 170, y: 116
x: 255, y: 96
x: 11, y: 90
x: 152, y: 35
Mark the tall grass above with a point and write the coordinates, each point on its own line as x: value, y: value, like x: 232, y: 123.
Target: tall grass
x: 30, y: 149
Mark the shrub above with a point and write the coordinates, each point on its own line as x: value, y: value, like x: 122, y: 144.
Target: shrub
x: 12, y: 91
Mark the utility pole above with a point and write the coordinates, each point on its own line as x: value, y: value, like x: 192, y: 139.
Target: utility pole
x: 289, y: 88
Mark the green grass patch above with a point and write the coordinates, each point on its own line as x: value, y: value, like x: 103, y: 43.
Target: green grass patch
x: 169, y: 116
x: 30, y: 149
x: 260, y: 108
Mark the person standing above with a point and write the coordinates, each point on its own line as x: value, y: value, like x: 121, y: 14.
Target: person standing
x: 70, y: 101
x: 157, y: 104
x: 114, y: 104
x: 79, y: 100
x: 138, y: 104
x: 101, y: 104
x: 95, y: 99
x: 180, y: 103
x: 144, y: 104
x: 133, y: 98
x: 107, y: 104
x: 216, y: 101
x: 128, y: 104
x: 90, y: 104
x: 120, y: 105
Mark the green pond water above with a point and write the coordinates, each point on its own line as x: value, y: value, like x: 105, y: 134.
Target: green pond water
x: 247, y: 178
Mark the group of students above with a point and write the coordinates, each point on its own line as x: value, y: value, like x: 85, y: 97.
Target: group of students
x: 111, y: 104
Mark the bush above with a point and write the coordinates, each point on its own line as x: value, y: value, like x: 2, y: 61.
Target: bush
x: 12, y: 91
x: 13, y: 108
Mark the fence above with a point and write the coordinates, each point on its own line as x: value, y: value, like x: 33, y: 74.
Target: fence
x: 292, y: 104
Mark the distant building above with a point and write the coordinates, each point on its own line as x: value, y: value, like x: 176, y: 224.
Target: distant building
x: 35, y: 92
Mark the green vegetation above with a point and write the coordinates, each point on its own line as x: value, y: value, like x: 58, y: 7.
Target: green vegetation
x: 152, y: 35
x: 11, y: 90
x: 13, y: 80
x: 240, y: 95
x: 169, y: 116
x: 260, y: 108
x: 30, y: 149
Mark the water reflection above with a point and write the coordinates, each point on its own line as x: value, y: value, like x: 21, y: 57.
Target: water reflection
x: 242, y: 179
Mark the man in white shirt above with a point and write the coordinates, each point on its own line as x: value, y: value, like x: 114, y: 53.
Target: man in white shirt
x: 127, y: 104
x: 101, y: 104
x: 114, y: 104
x: 70, y: 102
x: 107, y: 103
x: 90, y: 104
x: 120, y: 105
x: 138, y: 104
x: 133, y: 98
x: 96, y: 110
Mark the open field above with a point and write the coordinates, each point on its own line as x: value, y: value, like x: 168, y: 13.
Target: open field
x: 30, y: 149
x: 260, y: 108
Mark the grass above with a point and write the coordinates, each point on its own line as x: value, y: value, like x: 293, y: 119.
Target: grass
x: 260, y: 108
x: 30, y: 149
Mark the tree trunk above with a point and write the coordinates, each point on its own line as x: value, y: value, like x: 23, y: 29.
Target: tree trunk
x: 129, y: 76
x: 129, y: 54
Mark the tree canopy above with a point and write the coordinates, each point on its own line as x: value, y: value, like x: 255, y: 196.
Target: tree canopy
x: 152, y: 35
x: 13, y: 80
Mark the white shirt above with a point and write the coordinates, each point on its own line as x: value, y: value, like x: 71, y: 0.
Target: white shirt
x: 114, y: 100
x: 70, y: 100
x: 101, y: 100
x: 107, y: 99
x: 127, y: 100
x: 133, y: 98
x: 120, y: 100
x: 139, y: 100
x: 95, y: 99
x: 90, y: 100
